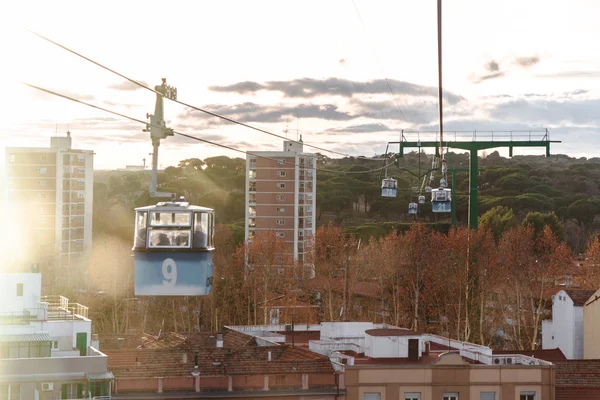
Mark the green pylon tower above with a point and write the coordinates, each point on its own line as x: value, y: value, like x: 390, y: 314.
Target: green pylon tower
x: 510, y: 139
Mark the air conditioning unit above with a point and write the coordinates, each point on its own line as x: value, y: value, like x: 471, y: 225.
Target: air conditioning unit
x: 288, y: 328
x: 496, y: 361
x: 47, y: 386
x: 508, y: 360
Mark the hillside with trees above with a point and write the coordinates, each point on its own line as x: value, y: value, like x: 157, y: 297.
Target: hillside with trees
x: 372, y: 261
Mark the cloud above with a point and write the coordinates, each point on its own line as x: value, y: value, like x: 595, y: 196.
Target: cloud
x: 495, y: 75
x: 571, y: 74
x: 127, y: 85
x: 252, y: 112
x: 361, y: 128
x: 310, y: 88
x: 549, y: 112
x: 492, y: 66
x: 526, y: 62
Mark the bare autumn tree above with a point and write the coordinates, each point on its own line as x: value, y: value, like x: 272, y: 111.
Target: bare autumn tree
x: 331, y: 252
x: 268, y: 263
x: 111, y: 272
x: 589, y: 274
x: 533, y: 268
x: 413, y: 269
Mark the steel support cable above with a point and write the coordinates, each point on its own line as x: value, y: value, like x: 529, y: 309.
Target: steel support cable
x: 180, y: 102
x: 185, y: 134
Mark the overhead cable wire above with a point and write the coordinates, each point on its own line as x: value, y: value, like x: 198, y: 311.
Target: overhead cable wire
x: 48, y: 91
x: 387, y: 81
x: 178, y: 101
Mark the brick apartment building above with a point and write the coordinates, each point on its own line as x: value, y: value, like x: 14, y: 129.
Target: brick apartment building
x: 49, y: 196
x: 281, y: 197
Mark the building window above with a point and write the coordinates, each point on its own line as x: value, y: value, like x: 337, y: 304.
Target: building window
x: 251, y: 222
x: 372, y: 396
x: 527, y: 396
x: 309, y: 173
x: 12, y: 158
x: 280, y: 162
x: 252, y: 174
x: 280, y: 222
x: 412, y: 396
x: 281, y: 185
x: 80, y: 170
x: 280, y: 235
x: 55, y: 344
x: 80, y: 195
x: 252, y: 210
x: 281, y: 173
x: 487, y: 396
x: 450, y: 396
x: 280, y: 197
x: 41, y: 195
x: 252, y: 186
x: 309, y: 197
x: 19, y: 290
x: 43, y: 158
x: 301, y: 233
x: 42, y: 170
x: 309, y: 208
x: 301, y: 185
x: 42, y: 183
x: 310, y: 161
x: 281, y: 209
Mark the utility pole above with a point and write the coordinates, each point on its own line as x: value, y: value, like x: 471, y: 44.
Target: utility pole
x: 158, y: 130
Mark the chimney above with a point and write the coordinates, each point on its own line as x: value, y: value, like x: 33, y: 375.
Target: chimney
x: 220, y: 340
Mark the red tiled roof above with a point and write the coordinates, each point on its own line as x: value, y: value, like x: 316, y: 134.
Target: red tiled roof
x: 577, y: 380
x: 391, y: 332
x: 217, y: 361
x: 579, y: 296
x: 550, y: 355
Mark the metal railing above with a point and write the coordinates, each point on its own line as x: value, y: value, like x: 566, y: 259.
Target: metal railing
x: 60, y: 308
x: 475, y: 135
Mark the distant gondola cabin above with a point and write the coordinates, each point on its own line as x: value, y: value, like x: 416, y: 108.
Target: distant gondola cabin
x: 173, y: 245
x: 389, y: 187
x: 413, y: 208
x: 441, y: 200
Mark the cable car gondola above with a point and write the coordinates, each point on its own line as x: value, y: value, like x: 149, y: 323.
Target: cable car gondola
x: 389, y: 187
x: 173, y: 241
x: 173, y: 248
x: 441, y: 200
x: 421, y: 199
x: 412, y: 208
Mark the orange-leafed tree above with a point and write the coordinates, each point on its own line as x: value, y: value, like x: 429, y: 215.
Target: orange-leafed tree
x: 413, y: 270
x: 332, y: 250
x: 268, y: 262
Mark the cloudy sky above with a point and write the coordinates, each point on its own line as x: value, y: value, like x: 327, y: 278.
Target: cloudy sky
x: 314, y: 67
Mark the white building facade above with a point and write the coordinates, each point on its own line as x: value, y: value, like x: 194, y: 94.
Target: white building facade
x: 46, y: 345
x: 565, y: 329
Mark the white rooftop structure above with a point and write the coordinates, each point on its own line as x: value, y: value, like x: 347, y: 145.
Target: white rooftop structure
x: 46, y: 344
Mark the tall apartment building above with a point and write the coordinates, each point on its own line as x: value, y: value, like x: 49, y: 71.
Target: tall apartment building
x: 49, y: 193
x: 281, y: 197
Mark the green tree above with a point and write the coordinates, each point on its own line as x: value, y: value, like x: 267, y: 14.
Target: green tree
x: 498, y: 220
x: 537, y: 221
